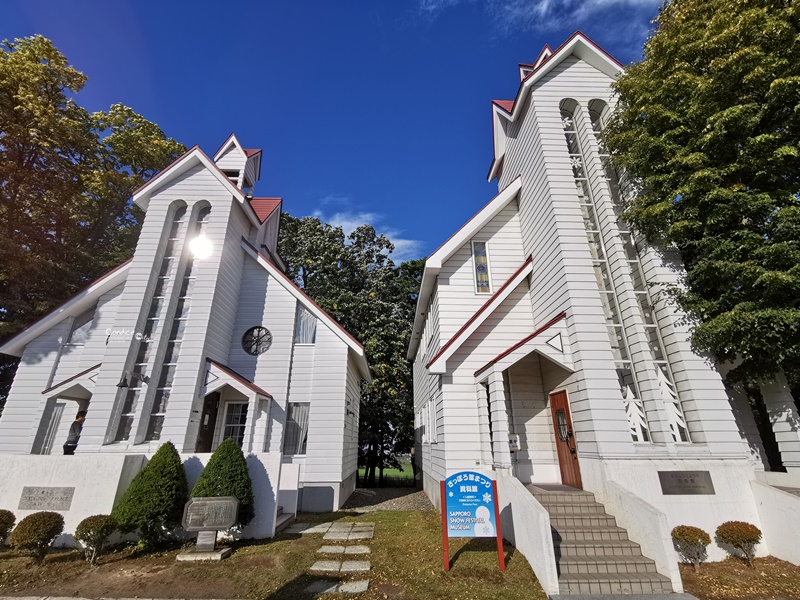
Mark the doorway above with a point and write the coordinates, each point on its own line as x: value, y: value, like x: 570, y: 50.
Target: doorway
x: 565, y: 440
x: 208, y: 423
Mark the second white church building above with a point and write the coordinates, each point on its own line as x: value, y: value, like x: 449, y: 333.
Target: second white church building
x: 543, y: 348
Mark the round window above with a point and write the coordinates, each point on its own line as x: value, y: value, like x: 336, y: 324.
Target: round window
x: 256, y: 340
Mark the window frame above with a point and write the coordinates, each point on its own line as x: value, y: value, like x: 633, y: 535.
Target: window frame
x: 286, y: 428
x: 475, y: 270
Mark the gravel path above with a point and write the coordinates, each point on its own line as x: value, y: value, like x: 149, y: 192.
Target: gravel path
x: 371, y: 499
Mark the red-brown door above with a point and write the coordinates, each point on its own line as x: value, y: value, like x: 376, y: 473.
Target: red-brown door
x: 565, y: 441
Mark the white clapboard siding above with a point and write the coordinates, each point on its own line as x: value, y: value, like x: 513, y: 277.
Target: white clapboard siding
x: 457, y: 297
x: 530, y: 413
x: 25, y: 404
x: 326, y: 428
x: 352, y: 411
x: 232, y: 159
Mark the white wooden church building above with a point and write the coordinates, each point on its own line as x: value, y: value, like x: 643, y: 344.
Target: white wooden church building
x: 198, y: 338
x: 545, y: 354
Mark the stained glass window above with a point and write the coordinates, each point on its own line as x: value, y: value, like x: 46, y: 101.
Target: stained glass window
x: 481, y: 261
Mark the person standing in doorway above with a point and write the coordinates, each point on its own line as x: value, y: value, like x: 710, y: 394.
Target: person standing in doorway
x: 74, y: 433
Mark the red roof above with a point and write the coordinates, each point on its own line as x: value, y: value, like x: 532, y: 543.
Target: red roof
x: 506, y: 105
x: 251, y: 151
x: 240, y: 378
x: 264, y: 207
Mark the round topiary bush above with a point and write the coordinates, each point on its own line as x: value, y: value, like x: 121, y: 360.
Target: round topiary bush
x: 7, y: 520
x: 93, y: 532
x: 226, y: 475
x: 742, y: 536
x: 153, y: 502
x: 691, y: 543
x: 36, y: 533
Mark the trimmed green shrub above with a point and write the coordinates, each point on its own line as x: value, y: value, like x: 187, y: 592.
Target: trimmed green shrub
x: 226, y: 475
x: 691, y: 543
x: 7, y: 520
x: 36, y: 533
x: 93, y: 532
x: 742, y: 536
x: 153, y: 503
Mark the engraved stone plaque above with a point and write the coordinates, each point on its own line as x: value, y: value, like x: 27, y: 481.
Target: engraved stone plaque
x: 206, y: 541
x: 686, y: 483
x: 46, y: 498
x: 210, y: 514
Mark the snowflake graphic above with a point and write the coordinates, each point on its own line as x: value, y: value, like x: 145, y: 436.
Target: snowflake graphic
x: 487, y: 530
x: 451, y: 494
x: 487, y: 497
x: 566, y: 122
x: 575, y: 161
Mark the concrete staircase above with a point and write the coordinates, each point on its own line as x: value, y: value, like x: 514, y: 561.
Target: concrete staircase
x: 593, y: 555
x: 282, y: 519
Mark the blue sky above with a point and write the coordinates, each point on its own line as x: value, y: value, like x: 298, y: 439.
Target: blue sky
x: 368, y: 111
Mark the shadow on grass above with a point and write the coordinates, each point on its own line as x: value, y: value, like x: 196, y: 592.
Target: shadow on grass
x: 484, y: 545
x: 304, y: 586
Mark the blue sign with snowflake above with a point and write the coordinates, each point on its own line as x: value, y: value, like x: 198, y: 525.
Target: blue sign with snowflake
x: 469, y: 501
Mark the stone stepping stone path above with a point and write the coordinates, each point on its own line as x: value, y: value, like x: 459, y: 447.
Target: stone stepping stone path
x: 338, y: 532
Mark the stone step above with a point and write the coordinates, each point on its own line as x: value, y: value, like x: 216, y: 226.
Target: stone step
x: 580, y: 520
x: 551, y: 499
x: 283, y: 520
x: 609, y: 563
x: 597, y: 548
x: 585, y: 508
x: 580, y: 533
x: 614, y: 583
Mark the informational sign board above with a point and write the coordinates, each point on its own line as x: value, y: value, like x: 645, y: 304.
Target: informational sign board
x: 470, y: 509
x: 686, y: 483
x: 210, y: 514
x: 46, y: 498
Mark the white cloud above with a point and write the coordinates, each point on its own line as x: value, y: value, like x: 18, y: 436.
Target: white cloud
x: 511, y: 15
x: 404, y: 248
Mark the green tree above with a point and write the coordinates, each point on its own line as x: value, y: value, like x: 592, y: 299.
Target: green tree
x: 354, y: 279
x: 66, y: 178
x: 709, y: 124
x: 226, y: 475
x: 153, y: 503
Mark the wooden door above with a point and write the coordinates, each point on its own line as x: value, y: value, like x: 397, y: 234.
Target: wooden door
x: 565, y: 440
x: 208, y: 423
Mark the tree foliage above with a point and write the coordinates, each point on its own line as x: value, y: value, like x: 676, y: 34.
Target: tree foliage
x: 226, y: 475
x: 66, y: 178
x: 709, y: 123
x: 153, y: 503
x: 354, y: 279
x: 691, y: 543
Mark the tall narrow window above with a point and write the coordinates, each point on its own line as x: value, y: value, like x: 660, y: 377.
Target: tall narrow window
x: 168, y: 367
x: 235, y: 422
x: 480, y: 259
x: 663, y: 372
x: 166, y: 274
x: 296, y: 436
x: 608, y: 296
x: 305, y: 326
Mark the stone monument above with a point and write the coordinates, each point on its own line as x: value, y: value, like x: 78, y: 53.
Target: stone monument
x: 207, y: 516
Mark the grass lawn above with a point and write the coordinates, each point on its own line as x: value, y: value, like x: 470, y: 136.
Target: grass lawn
x: 405, y: 471
x: 406, y: 564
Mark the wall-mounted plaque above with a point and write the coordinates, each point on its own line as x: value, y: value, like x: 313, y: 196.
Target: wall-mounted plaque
x: 210, y: 514
x: 686, y: 483
x: 46, y: 498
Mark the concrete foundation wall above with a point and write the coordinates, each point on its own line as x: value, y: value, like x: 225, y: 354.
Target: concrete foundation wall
x: 733, y: 499
x: 100, y: 479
